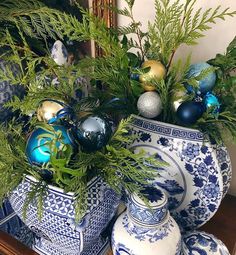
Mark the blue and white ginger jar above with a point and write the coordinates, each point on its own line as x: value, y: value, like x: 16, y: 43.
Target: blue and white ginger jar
x: 143, y: 230
x: 57, y: 232
x: 198, y: 173
x: 201, y: 243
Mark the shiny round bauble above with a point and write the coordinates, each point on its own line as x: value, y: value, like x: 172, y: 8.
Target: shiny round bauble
x: 93, y: 132
x: 8, y: 91
x: 51, y: 110
x: 37, y: 147
x: 206, y: 84
x: 157, y: 71
x: 149, y: 104
x: 212, y: 104
x: 189, y: 112
x: 59, y: 53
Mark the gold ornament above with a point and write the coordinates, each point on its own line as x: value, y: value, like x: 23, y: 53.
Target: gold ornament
x: 157, y: 71
x: 48, y: 109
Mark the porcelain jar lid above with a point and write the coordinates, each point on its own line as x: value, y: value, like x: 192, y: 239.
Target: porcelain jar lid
x: 151, y: 212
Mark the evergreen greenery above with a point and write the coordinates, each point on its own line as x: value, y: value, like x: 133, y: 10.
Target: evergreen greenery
x: 26, y: 27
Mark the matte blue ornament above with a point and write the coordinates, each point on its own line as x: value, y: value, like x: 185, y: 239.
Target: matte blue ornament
x: 38, y: 150
x: 8, y: 91
x: 93, y: 132
x: 212, y: 104
x: 206, y: 84
x: 189, y: 112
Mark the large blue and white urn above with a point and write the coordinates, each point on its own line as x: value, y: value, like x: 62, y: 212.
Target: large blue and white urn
x: 57, y: 232
x: 198, y: 173
x: 146, y: 229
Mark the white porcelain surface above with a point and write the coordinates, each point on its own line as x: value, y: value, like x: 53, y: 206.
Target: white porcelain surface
x: 193, y: 179
x: 146, y: 230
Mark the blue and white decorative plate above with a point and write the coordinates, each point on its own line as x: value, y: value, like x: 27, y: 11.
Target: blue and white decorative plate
x: 193, y: 180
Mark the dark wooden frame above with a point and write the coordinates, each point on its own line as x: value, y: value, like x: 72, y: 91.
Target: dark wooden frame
x: 100, y: 10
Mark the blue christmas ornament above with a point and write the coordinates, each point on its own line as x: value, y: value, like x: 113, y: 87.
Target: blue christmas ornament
x: 189, y: 112
x: 212, y: 104
x: 207, y: 83
x: 46, y: 174
x: 94, y: 132
x: 38, y: 149
x: 134, y: 76
x: 8, y: 91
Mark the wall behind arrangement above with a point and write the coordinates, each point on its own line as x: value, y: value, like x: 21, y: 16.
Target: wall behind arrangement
x: 215, y: 41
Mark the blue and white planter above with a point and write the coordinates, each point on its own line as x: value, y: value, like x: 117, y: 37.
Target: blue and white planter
x: 201, y: 243
x: 57, y: 232
x: 142, y: 230
x: 198, y: 174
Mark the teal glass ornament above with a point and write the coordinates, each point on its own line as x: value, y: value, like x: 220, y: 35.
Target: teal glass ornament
x: 206, y: 84
x: 94, y: 132
x: 212, y: 104
x: 37, y: 148
x: 189, y: 112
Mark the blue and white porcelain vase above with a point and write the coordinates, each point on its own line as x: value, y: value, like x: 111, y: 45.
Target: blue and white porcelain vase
x: 198, y: 173
x: 201, y: 243
x: 57, y: 232
x: 143, y: 229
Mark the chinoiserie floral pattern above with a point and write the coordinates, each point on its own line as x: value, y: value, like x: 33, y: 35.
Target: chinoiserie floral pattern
x: 194, y: 178
x: 147, y: 234
x: 131, y: 235
x: 201, y: 243
x: 144, y: 215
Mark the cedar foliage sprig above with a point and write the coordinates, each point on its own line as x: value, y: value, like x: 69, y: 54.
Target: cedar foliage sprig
x: 117, y: 165
x: 177, y: 24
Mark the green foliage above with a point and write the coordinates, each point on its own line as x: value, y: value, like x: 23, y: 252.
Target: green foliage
x: 176, y: 24
x: 226, y: 90
x: 117, y: 165
x: 25, y: 22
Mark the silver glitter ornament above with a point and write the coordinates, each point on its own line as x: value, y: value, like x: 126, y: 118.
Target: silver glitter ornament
x: 149, y: 104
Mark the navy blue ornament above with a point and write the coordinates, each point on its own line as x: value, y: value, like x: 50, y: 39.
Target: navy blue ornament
x: 206, y: 84
x: 7, y: 92
x: 38, y: 149
x: 212, y: 104
x: 93, y: 132
x: 134, y: 76
x: 189, y: 112
x: 47, y: 175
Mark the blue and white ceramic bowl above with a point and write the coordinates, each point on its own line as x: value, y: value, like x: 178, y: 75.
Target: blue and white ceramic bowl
x: 198, y: 174
x: 203, y: 244
x: 57, y: 232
